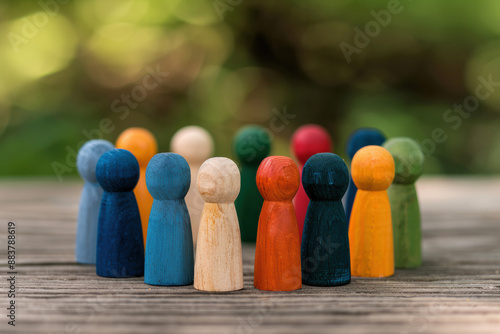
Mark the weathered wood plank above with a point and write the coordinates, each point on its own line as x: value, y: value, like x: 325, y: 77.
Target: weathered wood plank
x: 457, y: 289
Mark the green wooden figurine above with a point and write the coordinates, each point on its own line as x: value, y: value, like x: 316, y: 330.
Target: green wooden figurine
x: 251, y: 145
x: 405, y: 210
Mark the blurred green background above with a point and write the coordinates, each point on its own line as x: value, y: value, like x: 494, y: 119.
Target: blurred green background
x: 68, y: 65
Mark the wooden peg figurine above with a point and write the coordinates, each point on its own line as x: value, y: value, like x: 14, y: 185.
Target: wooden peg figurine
x: 409, y: 160
x: 325, y: 242
x: 359, y: 139
x: 88, y: 212
x: 251, y: 145
x: 277, y: 253
x: 169, y: 247
x: 219, y: 263
x: 307, y: 141
x: 196, y: 145
x: 143, y: 146
x: 120, y: 248
x: 370, y: 230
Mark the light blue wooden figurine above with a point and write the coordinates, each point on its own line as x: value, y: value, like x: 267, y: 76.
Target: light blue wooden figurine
x: 90, y: 201
x: 169, y: 246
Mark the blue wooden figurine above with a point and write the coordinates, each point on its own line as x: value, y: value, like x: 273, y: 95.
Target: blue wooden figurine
x: 325, y: 255
x: 88, y: 212
x: 169, y: 246
x: 120, y: 248
x: 359, y: 139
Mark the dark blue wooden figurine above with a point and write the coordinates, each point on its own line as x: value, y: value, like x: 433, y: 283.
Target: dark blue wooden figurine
x: 169, y: 246
x: 88, y: 212
x: 325, y: 253
x: 357, y: 140
x: 120, y: 248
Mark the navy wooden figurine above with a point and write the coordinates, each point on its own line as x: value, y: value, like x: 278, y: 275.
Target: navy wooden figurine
x: 88, y: 212
x: 120, y: 248
x: 169, y: 247
x: 325, y: 242
x: 359, y: 139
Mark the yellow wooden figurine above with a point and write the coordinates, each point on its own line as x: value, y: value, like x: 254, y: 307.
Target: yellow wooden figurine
x: 370, y: 228
x: 142, y: 144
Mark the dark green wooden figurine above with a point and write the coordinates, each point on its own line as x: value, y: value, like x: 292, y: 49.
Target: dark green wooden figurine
x: 251, y: 145
x: 325, y: 254
x: 405, y: 210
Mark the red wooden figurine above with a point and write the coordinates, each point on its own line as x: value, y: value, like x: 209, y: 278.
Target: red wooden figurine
x: 277, y: 253
x: 307, y: 141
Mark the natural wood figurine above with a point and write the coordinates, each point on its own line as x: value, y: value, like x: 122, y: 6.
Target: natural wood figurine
x: 88, y: 212
x: 307, y: 141
x: 357, y: 140
x: 251, y: 145
x: 169, y: 247
x: 370, y: 230
x: 409, y: 160
x: 142, y: 144
x: 219, y: 263
x: 196, y: 145
x: 277, y: 254
x: 120, y: 248
x: 325, y: 242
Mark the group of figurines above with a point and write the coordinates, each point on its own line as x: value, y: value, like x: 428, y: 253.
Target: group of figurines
x: 180, y: 218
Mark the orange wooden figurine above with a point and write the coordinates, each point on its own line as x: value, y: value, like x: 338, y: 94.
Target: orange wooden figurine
x: 142, y: 144
x: 370, y: 228
x: 277, y: 253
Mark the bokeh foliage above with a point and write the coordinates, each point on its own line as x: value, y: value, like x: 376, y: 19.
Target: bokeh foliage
x: 247, y: 65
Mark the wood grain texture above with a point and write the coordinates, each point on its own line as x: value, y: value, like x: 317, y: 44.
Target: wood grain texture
x: 251, y: 144
x: 307, y: 140
x: 356, y: 141
x: 409, y: 161
x: 325, y: 254
x: 142, y: 144
x: 454, y: 291
x: 277, y: 254
x: 120, y: 248
x: 370, y: 229
x: 90, y: 201
x: 169, y: 247
x: 219, y: 262
x: 195, y: 145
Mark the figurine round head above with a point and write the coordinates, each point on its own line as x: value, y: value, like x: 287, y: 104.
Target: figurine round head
x: 325, y: 177
x: 117, y: 171
x: 140, y: 142
x: 219, y: 180
x: 309, y: 140
x: 278, y: 178
x: 252, y: 144
x: 408, y: 157
x: 363, y: 137
x: 168, y: 176
x: 88, y: 156
x: 193, y: 143
x: 373, y: 168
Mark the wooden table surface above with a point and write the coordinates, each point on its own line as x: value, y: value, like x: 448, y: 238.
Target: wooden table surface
x: 457, y: 290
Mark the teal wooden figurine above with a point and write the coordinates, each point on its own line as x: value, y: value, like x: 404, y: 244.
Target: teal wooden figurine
x: 251, y: 145
x: 325, y: 242
x: 169, y: 246
x: 90, y: 201
x: 120, y: 248
x: 357, y: 140
x: 409, y: 160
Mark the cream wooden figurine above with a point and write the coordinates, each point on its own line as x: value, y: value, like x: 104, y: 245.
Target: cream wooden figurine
x: 219, y: 264
x: 196, y: 145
